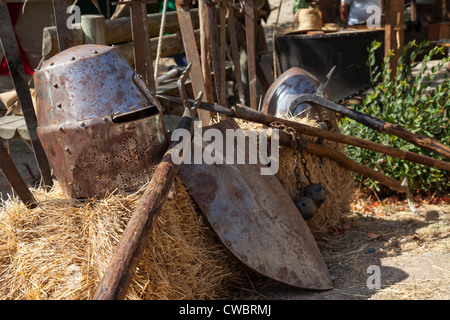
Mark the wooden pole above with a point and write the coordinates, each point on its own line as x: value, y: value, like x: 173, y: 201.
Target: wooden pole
x: 191, y: 51
x: 205, y: 53
x: 249, y: 9
x: 93, y: 27
x: 330, y: 153
x: 15, y: 180
x: 246, y: 113
x: 143, y: 62
x: 115, y: 282
x: 394, y: 31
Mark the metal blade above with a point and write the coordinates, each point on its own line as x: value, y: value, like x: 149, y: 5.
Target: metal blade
x: 324, y: 84
x: 256, y: 219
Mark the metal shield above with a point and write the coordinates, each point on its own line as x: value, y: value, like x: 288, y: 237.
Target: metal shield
x: 255, y: 218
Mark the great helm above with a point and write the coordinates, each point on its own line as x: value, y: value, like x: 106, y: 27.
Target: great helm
x: 288, y: 86
x: 100, y: 127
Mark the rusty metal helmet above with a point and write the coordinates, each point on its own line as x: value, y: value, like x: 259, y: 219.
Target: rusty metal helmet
x: 100, y: 127
x: 286, y: 88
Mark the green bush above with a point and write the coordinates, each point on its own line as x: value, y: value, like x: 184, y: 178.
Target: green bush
x: 411, y: 102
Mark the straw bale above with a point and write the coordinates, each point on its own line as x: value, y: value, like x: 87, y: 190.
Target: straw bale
x: 338, y: 181
x: 61, y: 249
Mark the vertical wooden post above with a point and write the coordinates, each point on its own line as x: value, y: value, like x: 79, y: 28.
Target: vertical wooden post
x: 14, y: 178
x: 141, y: 43
x: 204, y: 50
x: 394, y: 31
x: 12, y: 55
x: 65, y: 37
x: 249, y: 9
x: 191, y: 51
x: 93, y: 27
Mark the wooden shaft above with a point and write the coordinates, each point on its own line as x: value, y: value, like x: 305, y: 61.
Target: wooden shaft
x: 214, y: 48
x: 249, y: 9
x: 116, y: 280
x: 116, y: 30
x: 246, y: 113
x: 235, y: 55
x: 421, y: 141
x: 143, y: 61
x: 171, y: 44
x: 222, y: 95
x: 380, y: 125
x: 190, y: 48
x: 325, y: 151
x: 249, y: 114
x: 14, y: 178
x: 204, y: 50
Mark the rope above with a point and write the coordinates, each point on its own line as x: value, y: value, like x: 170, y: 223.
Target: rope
x: 161, y: 33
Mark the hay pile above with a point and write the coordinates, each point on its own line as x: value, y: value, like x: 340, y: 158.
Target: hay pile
x: 337, y: 180
x: 61, y: 249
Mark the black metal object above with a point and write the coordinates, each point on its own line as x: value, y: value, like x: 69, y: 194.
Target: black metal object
x: 365, y: 119
x: 317, y: 54
x: 12, y: 55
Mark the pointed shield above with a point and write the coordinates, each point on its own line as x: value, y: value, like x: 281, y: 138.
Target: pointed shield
x: 255, y: 218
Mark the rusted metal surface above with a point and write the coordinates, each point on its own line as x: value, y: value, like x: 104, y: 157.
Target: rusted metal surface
x: 287, y: 87
x: 256, y: 219
x: 100, y: 126
x: 117, y: 278
x: 65, y: 38
x: 12, y: 55
x: 14, y: 178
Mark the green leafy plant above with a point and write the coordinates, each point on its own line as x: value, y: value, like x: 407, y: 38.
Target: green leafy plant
x: 410, y: 99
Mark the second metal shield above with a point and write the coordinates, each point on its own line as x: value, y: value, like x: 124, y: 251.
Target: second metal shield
x: 255, y: 218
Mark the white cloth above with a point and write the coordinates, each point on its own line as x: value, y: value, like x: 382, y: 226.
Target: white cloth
x: 358, y: 10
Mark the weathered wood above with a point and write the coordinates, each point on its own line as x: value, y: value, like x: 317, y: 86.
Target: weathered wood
x: 61, y: 16
x: 246, y: 113
x: 424, y: 142
x: 205, y: 53
x: 143, y: 61
x: 191, y: 51
x: 14, y: 178
x: 171, y: 44
x: 222, y: 95
x: 394, y: 31
x: 235, y: 55
x: 214, y: 48
x: 93, y: 28
x: 250, y: 21
x: 330, y: 153
x: 116, y: 30
x: 13, y: 59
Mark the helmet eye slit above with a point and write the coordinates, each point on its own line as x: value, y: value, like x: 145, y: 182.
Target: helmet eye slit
x: 135, y: 115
